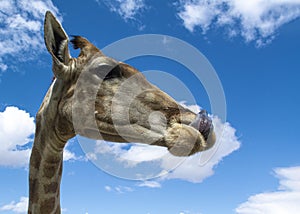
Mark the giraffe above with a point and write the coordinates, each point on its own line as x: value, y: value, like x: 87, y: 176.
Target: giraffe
x: 183, y: 132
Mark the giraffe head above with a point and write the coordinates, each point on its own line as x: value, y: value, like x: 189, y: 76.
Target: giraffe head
x: 101, y: 98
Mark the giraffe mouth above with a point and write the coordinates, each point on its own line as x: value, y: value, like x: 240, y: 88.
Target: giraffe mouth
x: 202, y: 123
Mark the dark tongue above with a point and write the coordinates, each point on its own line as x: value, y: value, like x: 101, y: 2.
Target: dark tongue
x: 203, y: 123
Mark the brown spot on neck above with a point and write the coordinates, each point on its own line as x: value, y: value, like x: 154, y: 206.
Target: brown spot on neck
x: 47, y: 205
x: 35, y: 158
x: 33, y: 191
x: 51, y: 188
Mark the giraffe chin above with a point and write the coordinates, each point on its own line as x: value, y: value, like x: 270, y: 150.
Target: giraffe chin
x: 185, y: 140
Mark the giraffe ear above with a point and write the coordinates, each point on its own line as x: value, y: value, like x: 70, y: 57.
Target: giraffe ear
x: 56, y: 41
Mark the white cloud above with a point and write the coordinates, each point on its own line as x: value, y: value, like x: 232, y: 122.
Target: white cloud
x: 142, y: 153
x: 151, y: 184
x: 255, y: 20
x: 71, y: 156
x: 21, y: 30
x: 135, y: 154
x: 127, y: 9
x: 118, y: 189
x: 17, y: 207
x: 123, y: 189
x: 143, y: 160
x: 68, y: 155
x: 284, y: 200
x: 194, y: 108
x: 20, y: 207
x: 16, y: 130
x: 188, y: 212
x: 108, y: 188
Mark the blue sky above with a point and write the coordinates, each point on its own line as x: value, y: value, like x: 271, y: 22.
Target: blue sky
x: 254, y: 48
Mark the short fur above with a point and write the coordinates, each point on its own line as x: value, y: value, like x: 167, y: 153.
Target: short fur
x: 121, y: 101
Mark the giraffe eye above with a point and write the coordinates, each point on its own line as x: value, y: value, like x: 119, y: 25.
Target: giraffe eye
x: 113, y: 73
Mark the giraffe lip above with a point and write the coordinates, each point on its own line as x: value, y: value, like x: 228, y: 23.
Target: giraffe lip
x: 203, y: 123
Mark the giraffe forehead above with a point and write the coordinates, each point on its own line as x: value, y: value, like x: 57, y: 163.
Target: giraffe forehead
x: 100, y: 64
x: 105, y: 64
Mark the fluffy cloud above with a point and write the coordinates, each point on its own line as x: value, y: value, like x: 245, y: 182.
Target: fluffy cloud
x: 68, y: 155
x: 21, y: 29
x: 151, y: 184
x: 189, y: 212
x: 118, y: 189
x: 127, y: 9
x: 284, y: 200
x: 255, y: 20
x: 16, y: 130
x: 140, y: 161
x: 17, y: 207
x: 108, y: 188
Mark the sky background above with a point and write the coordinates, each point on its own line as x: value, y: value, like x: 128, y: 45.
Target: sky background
x: 254, y: 47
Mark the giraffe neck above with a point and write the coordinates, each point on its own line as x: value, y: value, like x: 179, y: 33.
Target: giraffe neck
x: 45, y: 172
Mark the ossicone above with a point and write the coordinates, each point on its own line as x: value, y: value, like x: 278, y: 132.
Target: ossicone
x: 86, y: 47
